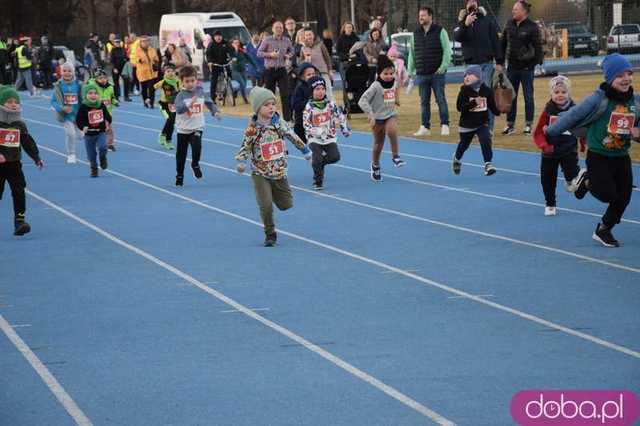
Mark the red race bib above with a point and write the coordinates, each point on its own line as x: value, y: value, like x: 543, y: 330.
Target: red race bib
x: 321, y: 119
x: 481, y: 104
x: 621, y: 123
x: 389, y: 95
x: 196, y: 108
x: 272, y: 150
x: 70, y: 99
x: 95, y: 117
x: 10, y: 138
x: 552, y: 119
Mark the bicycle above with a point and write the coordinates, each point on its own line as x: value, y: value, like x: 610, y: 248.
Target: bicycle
x: 224, y: 88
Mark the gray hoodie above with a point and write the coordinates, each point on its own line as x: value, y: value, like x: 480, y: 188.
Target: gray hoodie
x: 189, y: 112
x: 379, y: 101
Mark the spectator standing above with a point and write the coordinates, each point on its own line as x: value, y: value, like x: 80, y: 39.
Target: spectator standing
x: 277, y: 51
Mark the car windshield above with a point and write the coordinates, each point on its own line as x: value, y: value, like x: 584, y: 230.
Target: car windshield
x: 574, y: 28
x: 229, y: 33
x: 626, y: 29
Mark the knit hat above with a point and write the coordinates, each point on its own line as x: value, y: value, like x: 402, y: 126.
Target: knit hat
x: 316, y: 81
x: 260, y: 96
x: 615, y: 65
x: 100, y: 72
x: 383, y: 63
x: 560, y: 81
x: 91, y: 85
x: 474, y: 70
x: 8, y: 92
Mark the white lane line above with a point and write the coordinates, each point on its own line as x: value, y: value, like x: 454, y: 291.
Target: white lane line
x: 234, y: 311
x: 477, y: 295
x: 575, y: 255
x: 20, y: 325
x: 54, y: 386
x: 349, y: 368
x: 382, y: 265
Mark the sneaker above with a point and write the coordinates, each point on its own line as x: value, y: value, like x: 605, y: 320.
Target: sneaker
x: 103, y: 162
x: 376, y: 176
x: 444, y: 130
x: 270, y: 240
x: 179, y: 180
x: 605, y: 237
x: 317, y: 185
x: 21, y: 227
x: 576, y: 181
x: 136, y: 92
x: 527, y: 130
x: 582, y: 188
x: 71, y: 159
x: 489, y: 169
x: 398, y: 162
x: 197, y: 172
x: 94, y: 171
x: 456, y: 165
x: 162, y: 140
x: 169, y: 145
x: 509, y: 130
x: 112, y: 148
x: 423, y: 131
x: 147, y: 103
x: 550, y: 211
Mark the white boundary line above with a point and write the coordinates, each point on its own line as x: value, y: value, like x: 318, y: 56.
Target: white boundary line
x: 398, y: 213
x: 54, y: 386
x: 382, y: 265
x: 390, y: 391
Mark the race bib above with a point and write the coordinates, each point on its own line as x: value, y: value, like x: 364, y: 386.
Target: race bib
x: 70, y: 99
x: 95, y: 117
x: 321, y: 119
x: 389, y: 95
x: 272, y: 150
x: 10, y: 138
x: 481, y: 104
x: 196, y: 108
x: 621, y: 123
x: 171, y: 107
x: 552, y: 119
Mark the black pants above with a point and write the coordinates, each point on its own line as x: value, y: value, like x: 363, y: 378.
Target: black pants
x: 5, y: 74
x: 279, y: 76
x: 184, y: 140
x: 610, y: 181
x: 484, y: 136
x: 549, y: 174
x: 170, y: 120
x: 298, y: 127
x: 148, y: 92
x: 116, y: 85
x: 135, y: 83
x: 322, y: 156
x: 12, y: 173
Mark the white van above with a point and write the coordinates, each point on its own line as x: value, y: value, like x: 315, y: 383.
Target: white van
x: 192, y: 27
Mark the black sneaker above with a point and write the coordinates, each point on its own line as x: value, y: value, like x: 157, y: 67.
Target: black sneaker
x: 112, y: 148
x: 20, y: 226
x: 317, y: 185
x: 456, y: 166
x: 94, y: 170
x: 527, y: 130
x: 179, y: 180
x: 489, y: 169
x: 398, y: 162
x: 376, y: 176
x: 509, y: 130
x: 270, y: 240
x: 103, y: 162
x: 605, y: 237
x: 197, y: 172
x: 582, y: 188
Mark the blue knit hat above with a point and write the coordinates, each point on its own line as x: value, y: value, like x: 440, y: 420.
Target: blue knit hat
x: 615, y: 65
x: 474, y: 70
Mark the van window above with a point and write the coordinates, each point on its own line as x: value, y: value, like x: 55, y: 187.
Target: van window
x: 229, y: 33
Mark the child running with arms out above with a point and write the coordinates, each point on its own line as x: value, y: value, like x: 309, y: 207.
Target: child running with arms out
x: 559, y: 151
x: 169, y: 87
x: 379, y: 102
x: 264, y: 145
x: 65, y: 100
x: 321, y: 118
x: 190, y: 103
x: 93, y: 120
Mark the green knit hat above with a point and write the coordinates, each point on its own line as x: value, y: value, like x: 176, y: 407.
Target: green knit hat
x: 260, y: 96
x: 91, y: 85
x: 8, y: 92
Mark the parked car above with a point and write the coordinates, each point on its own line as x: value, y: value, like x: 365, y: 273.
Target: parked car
x: 624, y: 38
x: 581, y: 40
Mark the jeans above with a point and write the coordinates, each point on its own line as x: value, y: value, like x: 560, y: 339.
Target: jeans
x: 242, y: 81
x: 487, y: 78
x: 24, y: 76
x: 95, y: 143
x: 524, y: 77
x: 434, y: 82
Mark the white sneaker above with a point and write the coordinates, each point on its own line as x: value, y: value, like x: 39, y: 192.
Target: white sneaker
x: 549, y: 211
x: 71, y: 159
x: 444, y: 131
x: 575, y: 183
x: 422, y: 131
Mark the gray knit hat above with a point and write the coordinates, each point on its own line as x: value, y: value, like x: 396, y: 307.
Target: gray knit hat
x: 260, y: 96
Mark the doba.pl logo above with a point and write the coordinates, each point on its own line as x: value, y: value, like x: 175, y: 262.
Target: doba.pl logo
x: 575, y: 408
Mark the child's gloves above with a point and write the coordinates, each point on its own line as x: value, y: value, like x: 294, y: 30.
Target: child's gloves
x: 307, y: 153
x: 346, y: 133
x: 39, y: 163
x: 241, y: 167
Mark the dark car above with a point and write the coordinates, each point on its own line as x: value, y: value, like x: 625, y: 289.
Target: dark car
x: 581, y: 40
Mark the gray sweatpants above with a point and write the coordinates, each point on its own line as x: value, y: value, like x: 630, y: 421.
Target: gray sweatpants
x: 71, y: 135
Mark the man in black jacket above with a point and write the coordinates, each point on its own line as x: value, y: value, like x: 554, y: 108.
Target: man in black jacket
x: 522, y: 47
x: 46, y: 54
x: 478, y: 34
x: 218, y: 54
x: 118, y: 60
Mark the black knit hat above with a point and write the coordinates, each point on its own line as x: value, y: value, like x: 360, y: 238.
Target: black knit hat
x: 383, y: 63
x: 316, y: 80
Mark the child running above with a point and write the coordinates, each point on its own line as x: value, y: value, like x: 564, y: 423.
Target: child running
x: 379, y: 102
x: 109, y: 99
x: 169, y: 87
x: 190, y: 103
x: 264, y: 144
x: 94, y: 119
x: 610, y: 116
x: 321, y: 117
x: 474, y: 102
x: 65, y: 100
x: 556, y: 151
x: 14, y: 136
x: 301, y: 96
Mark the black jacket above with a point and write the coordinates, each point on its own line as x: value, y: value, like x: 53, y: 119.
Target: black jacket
x: 521, y: 45
x: 479, y: 41
x: 218, y: 53
x: 344, y: 44
x: 466, y: 104
x: 428, y: 49
x: 10, y: 152
x: 97, y: 126
x: 119, y: 57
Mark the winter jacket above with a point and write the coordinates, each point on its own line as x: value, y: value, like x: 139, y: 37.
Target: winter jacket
x: 218, y: 53
x: 554, y: 146
x: 94, y: 119
x: 379, y: 101
x: 147, y: 61
x: 344, y: 44
x: 321, y: 122
x: 66, y: 94
x: 474, y: 106
x: 319, y: 56
x: 14, y: 137
x: 480, y: 43
x: 521, y: 45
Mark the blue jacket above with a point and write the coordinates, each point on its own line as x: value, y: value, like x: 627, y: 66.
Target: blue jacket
x: 63, y: 94
x: 256, y: 68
